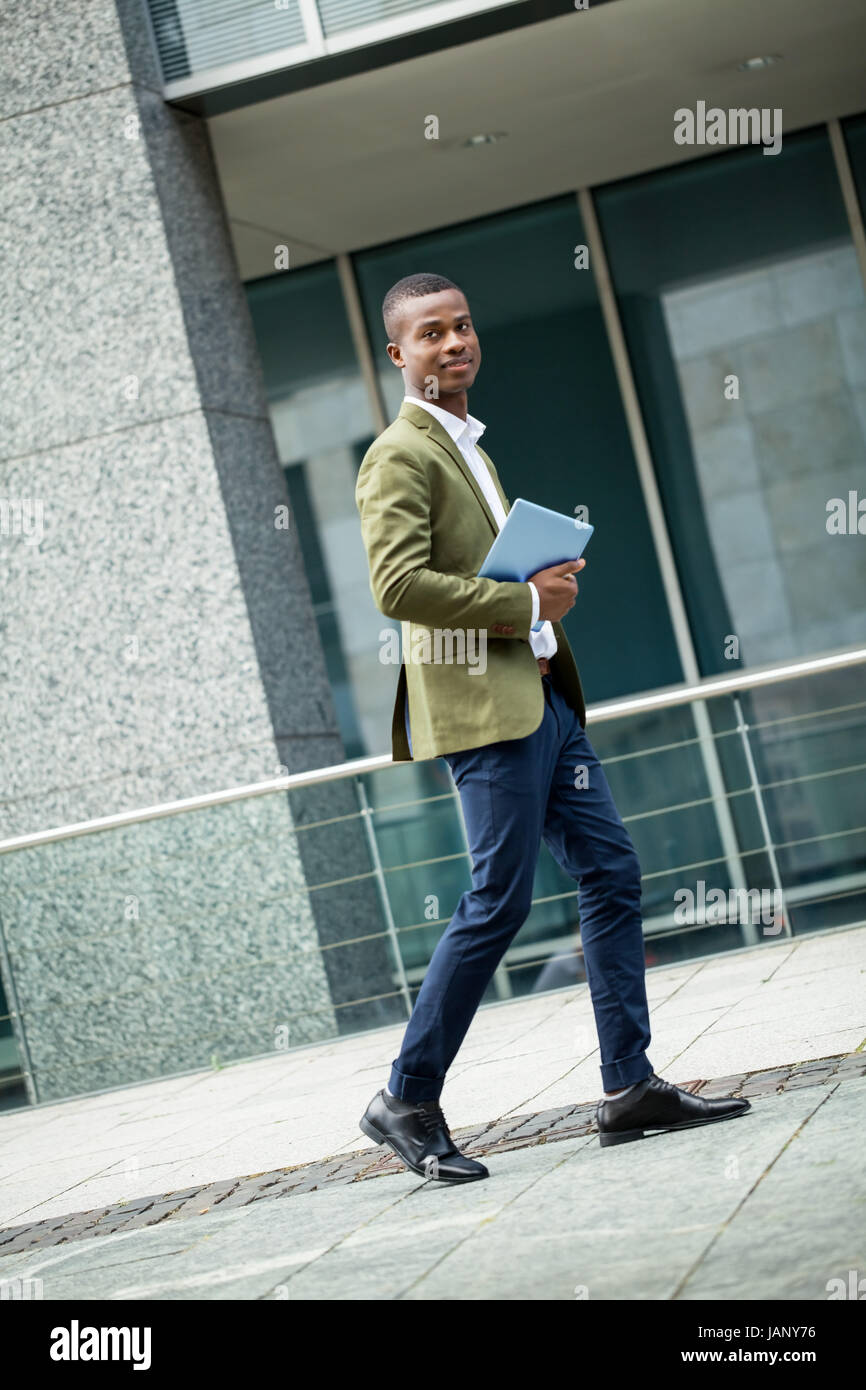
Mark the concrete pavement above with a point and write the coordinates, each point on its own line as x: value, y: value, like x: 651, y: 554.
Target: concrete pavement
x: 722, y: 1211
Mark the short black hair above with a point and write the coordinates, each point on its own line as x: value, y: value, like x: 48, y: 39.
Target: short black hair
x: 410, y: 287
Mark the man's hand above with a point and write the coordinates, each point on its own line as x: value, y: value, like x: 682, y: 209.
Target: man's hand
x: 557, y: 589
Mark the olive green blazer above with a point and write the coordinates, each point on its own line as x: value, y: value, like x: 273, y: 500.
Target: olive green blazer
x: 427, y: 528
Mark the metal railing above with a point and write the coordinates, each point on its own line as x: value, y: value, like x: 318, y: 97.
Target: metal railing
x: 668, y: 697
x: 405, y: 936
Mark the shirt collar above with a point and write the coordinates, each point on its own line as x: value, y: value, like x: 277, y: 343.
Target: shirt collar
x: 470, y: 429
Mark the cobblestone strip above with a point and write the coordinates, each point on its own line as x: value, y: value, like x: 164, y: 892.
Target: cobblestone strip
x: 517, y: 1131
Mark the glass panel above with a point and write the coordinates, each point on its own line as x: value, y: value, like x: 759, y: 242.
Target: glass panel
x: 322, y: 424
x: 808, y: 740
x: 281, y: 921
x: 197, y: 35
x: 743, y: 309
x: 339, y: 15
x: 854, y: 131
x: 13, y: 1090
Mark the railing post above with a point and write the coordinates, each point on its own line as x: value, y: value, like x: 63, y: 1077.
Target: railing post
x: 743, y: 730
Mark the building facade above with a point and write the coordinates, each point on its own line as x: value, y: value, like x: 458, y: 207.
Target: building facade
x: 202, y: 213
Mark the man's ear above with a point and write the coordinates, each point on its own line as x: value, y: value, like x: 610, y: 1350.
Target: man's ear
x: 395, y: 354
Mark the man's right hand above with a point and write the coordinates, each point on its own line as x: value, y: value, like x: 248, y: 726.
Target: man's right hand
x: 557, y: 589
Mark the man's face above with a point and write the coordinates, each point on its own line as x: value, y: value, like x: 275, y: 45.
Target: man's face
x: 437, y: 341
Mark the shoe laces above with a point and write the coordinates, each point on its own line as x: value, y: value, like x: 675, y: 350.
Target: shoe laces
x: 431, y: 1117
x: 665, y: 1085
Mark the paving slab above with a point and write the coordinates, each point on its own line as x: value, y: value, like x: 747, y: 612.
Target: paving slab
x: 624, y: 1223
x: 723, y: 1211
x: 520, y: 1057
x: 819, y: 1175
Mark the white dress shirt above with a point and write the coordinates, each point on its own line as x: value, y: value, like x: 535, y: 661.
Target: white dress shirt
x: 466, y: 434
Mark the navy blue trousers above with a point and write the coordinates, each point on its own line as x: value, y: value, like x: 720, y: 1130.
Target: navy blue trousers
x: 514, y: 794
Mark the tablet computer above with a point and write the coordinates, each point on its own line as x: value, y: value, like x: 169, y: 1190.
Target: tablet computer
x: 532, y: 539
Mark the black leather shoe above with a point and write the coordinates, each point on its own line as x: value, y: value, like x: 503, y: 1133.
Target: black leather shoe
x: 417, y: 1132
x: 657, y: 1105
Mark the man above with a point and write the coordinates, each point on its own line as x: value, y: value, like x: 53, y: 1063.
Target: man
x: 513, y: 736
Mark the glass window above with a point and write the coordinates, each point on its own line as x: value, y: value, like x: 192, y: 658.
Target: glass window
x: 854, y: 131
x: 13, y: 1090
x: 323, y: 426
x: 743, y: 309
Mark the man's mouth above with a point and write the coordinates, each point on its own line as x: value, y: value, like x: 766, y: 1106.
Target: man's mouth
x: 457, y: 362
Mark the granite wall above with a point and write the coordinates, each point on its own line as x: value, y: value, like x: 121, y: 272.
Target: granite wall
x: 158, y: 639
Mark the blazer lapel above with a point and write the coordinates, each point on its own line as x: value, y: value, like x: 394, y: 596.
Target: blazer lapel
x: 425, y: 421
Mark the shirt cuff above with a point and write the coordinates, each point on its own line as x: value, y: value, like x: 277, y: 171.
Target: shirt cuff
x: 535, y: 604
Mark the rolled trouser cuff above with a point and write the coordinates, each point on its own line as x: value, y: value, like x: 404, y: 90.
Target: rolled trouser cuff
x: 414, y: 1088
x: 625, y: 1072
